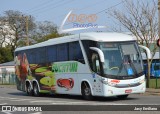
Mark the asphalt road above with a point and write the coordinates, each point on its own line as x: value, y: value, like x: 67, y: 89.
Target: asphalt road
x: 61, y: 103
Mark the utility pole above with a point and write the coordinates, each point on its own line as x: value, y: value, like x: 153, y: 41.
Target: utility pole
x: 158, y: 41
x: 27, y: 38
x: 159, y: 20
x: 26, y: 20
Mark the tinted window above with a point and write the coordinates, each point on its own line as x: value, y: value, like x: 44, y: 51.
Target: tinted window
x: 62, y: 52
x: 31, y: 55
x: 157, y: 67
x: 40, y: 55
x: 75, y: 52
x: 51, y: 53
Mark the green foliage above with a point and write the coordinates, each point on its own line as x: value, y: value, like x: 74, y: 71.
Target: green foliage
x: 37, y: 32
x: 5, y: 54
x: 48, y: 36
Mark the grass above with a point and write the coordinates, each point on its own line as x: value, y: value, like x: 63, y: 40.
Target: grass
x: 153, y: 83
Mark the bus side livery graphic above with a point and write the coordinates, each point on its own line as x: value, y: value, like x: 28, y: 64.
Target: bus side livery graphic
x: 65, y: 67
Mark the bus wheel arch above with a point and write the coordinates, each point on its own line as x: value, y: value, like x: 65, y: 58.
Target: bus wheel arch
x: 86, y: 90
x: 29, y: 88
x: 36, y: 89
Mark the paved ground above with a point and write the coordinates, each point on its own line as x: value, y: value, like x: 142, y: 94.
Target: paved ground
x: 153, y: 91
x: 9, y: 95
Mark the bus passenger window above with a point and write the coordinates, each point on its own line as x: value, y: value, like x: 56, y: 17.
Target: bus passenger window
x: 62, y: 52
x: 40, y: 55
x: 75, y: 52
x: 32, y: 57
x: 51, y: 52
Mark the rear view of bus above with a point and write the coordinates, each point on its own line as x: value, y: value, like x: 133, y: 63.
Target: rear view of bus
x: 116, y: 62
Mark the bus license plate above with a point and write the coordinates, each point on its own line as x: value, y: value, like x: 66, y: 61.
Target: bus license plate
x: 128, y: 91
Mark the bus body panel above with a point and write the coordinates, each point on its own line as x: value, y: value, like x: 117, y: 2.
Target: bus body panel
x: 95, y: 83
x: 114, y: 87
x: 70, y: 83
x: 66, y: 77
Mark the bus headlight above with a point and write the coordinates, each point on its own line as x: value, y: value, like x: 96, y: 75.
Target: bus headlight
x: 142, y: 81
x: 104, y: 82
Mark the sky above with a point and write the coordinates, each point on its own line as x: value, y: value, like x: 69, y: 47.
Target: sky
x: 56, y: 10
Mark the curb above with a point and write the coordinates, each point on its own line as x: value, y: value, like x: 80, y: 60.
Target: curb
x: 152, y: 91
x: 8, y: 86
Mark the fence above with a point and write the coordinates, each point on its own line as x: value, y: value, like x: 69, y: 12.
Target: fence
x: 154, y: 83
x: 7, y: 78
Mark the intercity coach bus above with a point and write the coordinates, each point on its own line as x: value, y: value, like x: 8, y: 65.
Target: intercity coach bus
x: 87, y: 64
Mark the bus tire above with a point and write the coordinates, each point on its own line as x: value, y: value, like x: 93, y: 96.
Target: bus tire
x: 122, y: 96
x: 36, y: 90
x: 86, y: 91
x: 29, y: 90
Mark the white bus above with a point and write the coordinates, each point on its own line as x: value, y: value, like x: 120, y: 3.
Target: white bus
x: 87, y: 64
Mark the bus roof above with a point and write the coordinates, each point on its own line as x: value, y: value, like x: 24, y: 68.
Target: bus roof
x: 94, y: 36
x: 106, y: 37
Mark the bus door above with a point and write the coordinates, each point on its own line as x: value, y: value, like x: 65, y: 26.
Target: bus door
x: 96, y: 74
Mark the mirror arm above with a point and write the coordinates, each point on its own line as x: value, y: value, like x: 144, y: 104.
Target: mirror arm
x: 147, y: 51
x: 100, y: 53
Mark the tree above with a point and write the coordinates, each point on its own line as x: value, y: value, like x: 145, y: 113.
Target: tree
x: 5, y: 33
x: 13, y: 30
x: 5, y: 54
x: 16, y: 23
x: 46, y: 30
x: 140, y: 18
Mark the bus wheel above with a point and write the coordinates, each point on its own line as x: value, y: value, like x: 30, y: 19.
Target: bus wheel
x: 122, y: 96
x: 86, y: 91
x: 35, y: 90
x: 29, y: 90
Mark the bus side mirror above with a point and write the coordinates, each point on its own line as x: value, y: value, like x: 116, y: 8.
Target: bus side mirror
x: 100, y: 53
x: 147, y: 51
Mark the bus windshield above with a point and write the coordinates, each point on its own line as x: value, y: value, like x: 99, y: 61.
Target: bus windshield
x: 121, y: 59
